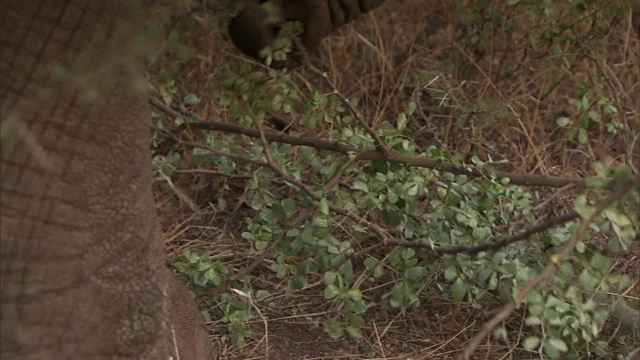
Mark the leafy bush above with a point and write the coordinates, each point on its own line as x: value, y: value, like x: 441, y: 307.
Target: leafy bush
x: 381, y: 229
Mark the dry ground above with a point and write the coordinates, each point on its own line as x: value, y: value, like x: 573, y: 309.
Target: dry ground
x: 503, y: 99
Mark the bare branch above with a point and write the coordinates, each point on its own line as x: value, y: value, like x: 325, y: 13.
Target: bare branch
x: 369, y: 155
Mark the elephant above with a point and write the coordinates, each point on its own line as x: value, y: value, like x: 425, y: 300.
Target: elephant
x: 251, y: 30
x: 82, y: 263
x: 192, y: 339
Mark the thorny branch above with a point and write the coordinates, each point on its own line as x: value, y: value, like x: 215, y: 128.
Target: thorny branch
x: 620, y: 191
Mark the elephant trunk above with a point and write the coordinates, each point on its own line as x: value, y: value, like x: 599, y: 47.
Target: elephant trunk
x: 343, y: 12
x: 252, y: 30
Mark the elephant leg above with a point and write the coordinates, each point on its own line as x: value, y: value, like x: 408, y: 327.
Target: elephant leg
x: 185, y: 324
x: 81, y: 255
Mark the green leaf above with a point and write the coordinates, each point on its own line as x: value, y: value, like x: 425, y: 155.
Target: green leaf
x: 370, y: 262
x: 481, y: 233
x: 498, y: 258
x: 293, y: 233
x: 553, y: 301
x: 330, y: 277
x: 411, y: 107
x: 614, y: 244
x: 345, y: 247
x: 260, y: 245
x: 500, y: 332
x: 289, y: 205
x: 558, y: 344
x: 360, y: 185
x: 587, y: 279
x: 333, y: 328
x: 531, y: 342
x: 583, y: 136
x: 563, y: 121
x: 203, y: 266
x: 553, y: 317
x: 392, y: 196
x: 458, y: 290
x: 402, y: 122
x: 476, y: 161
x: 484, y: 274
x: 493, y: 281
x: 407, y: 253
x: 355, y: 320
x: 205, y: 314
x: 391, y: 217
x: 600, y: 262
x: 278, y: 210
x: 191, y: 99
x: 413, y: 190
x: 453, y: 199
x: 451, y: 272
x: 394, y: 303
x: 617, y: 217
x: 551, y: 351
x: 585, y: 103
x: 380, y: 166
x: 354, y: 332
x: 610, y: 109
x: 534, y: 297
x: 334, y: 250
x: 320, y: 222
x: 622, y: 172
x: 582, y: 207
x: 533, y: 320
x: 323, y: 206
x: 330, y: 292
x: 307, y: 235
x: 331, y: 169
x: 394, y: 257
x: 213, y: 277
x: 354, y: 294
x: 397, y: 294
x: 378, y: 271
x: 355, y: 307
x: 414, y: 272
x: 369, y: 170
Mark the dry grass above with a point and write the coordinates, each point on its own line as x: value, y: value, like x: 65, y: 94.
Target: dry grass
x: 499, y: 99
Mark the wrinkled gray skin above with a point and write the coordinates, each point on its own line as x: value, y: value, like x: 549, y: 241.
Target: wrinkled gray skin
x: 82, y: 264
x: 251, y: 30
x: 83, y: 270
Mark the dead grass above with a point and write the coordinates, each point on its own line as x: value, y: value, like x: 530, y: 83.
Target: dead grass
x: 499, y: 99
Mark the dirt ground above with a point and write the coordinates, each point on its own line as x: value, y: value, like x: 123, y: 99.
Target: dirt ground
x: 524, y: 89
